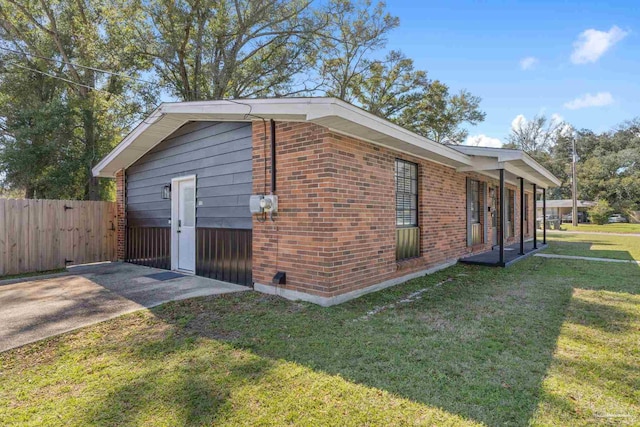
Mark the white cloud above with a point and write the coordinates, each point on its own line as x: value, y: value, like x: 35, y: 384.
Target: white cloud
x: 565, y: 129
x: 518, y: 122
x: 483, y: 141
x: 592, y: 44
x: 528, y: 62
x: 556, y: 118
x: 598, y: 100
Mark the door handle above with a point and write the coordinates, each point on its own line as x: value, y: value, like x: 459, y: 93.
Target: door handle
x: 179, y: 225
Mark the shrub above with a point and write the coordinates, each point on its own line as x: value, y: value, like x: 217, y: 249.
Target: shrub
x: 599, y: 213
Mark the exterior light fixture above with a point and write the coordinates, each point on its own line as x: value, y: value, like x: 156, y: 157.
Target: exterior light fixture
x: 166, y: 191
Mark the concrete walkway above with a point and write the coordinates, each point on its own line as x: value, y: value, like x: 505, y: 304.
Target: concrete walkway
x: 40, y: 307
x: 600, y: 233
x: 586, y: 258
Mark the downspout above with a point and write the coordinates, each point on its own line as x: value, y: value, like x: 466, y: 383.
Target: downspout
x: 280, y: 277
x: 273, y: 156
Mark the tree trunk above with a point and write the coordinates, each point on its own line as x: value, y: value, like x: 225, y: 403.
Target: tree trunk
x: 29, y: 192
x: 92, y: 190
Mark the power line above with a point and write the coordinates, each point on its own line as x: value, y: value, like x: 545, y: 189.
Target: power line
x: 62, y: 78
x: 83, y: 85
x: 78, y: 65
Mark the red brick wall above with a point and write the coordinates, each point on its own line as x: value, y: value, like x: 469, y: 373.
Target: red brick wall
x: 121, y: 214
x: 300, y: 239
x: 335, y: 229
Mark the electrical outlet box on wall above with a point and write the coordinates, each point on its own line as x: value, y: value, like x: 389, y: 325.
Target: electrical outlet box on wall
x: 270, y: 203
x: 259, y: 203
x: 254, y: 204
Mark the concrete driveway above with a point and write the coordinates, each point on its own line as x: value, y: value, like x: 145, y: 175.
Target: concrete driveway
x: 38, y: 308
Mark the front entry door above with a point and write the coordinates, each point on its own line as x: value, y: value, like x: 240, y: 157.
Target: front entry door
x: 183, y: 224
x: 494, y: 215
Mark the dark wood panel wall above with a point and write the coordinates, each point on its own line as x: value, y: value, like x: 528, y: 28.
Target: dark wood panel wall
x: 224, y: 254
x: 150, y: 246
x: 221, y: 253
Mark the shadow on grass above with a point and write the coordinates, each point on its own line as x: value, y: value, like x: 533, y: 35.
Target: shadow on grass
x: 478, y: 346
x: 606, y: 317
x: 187, y: 387
x: 586, y: 249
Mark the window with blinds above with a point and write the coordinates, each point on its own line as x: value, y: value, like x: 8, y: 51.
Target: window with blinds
x: 406, y: 175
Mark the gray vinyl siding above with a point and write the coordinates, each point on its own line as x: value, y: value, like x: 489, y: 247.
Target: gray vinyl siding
x: 218, y: 153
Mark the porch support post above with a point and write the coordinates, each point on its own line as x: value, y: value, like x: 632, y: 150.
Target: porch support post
x: 521, y: 216
x: 535, y: 235
x: 544, y: 216
x: 503, y: 221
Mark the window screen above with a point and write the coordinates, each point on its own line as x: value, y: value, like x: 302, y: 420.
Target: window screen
x: 406, y: 194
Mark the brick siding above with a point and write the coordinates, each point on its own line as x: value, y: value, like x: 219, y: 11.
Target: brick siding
x: 335, y: 228
x: 120, y: 215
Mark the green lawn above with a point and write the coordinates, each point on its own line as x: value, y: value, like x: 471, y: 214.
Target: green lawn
x: 594, y: 245
x: 545, y: 342
x: 605, y: 228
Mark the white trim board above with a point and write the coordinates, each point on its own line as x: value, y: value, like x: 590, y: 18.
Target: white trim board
x: 175, y: 202
x: 331, y: 113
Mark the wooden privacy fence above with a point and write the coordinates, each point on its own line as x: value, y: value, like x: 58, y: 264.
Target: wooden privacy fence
x: 39, y: 235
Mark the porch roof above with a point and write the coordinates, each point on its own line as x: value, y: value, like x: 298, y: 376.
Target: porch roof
x: 516, y: 163
x: 566, y: 203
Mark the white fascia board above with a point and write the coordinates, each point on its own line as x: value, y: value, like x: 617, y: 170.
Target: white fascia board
x: 355, y: 115
x: 170, y: 116
x: 553, y: 180
x: 495, y: 175
x: 532, y: 178
x: 485, y: 157
x: 548, y: 179
x: 482, y: 164
x: 97, y: 170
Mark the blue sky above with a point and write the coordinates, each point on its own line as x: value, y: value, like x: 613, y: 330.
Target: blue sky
x: 578, y: 48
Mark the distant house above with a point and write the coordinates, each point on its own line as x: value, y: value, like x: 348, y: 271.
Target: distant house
x: 312, y: 198
x: 562, y: 209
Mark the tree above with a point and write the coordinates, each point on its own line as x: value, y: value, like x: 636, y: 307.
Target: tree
x: 69, y: 42
x: 354, y: 32
x: 609, y: 166
x: 537, y: 135
x: 608, y: 163
x: 440, y: 116
x: 212, y: 49
x: 599, y: 213
x: 387, y: 87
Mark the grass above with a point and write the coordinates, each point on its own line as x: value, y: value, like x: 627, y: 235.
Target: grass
x: 605, y: 228
x: 32, y: 274
x: 545, y: 342
x: 594, y: 245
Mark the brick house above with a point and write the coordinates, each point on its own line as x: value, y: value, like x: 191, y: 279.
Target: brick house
x: 361, y: 204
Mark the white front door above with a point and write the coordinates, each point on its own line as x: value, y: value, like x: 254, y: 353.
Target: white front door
x: 183, y: 224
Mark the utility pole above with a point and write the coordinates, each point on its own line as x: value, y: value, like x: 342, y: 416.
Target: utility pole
x: 574, y: 185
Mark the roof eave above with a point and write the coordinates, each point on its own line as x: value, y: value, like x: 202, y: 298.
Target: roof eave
x: 332, y: 113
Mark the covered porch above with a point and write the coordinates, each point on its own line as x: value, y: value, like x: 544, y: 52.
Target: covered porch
x: 517, y: 169
x: 512, y: 255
